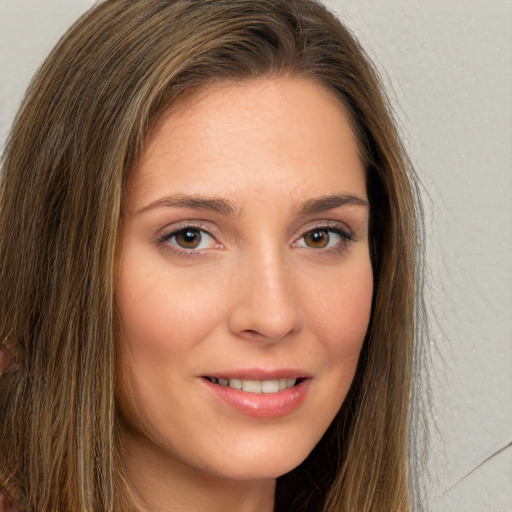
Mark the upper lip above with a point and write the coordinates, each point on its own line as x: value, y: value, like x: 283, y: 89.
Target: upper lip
x: 259, y: 374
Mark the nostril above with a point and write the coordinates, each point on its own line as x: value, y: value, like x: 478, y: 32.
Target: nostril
x: 252, y: 332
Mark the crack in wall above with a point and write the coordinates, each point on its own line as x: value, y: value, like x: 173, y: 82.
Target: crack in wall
x: 500, y: 449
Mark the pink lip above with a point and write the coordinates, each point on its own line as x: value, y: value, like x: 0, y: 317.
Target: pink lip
x: 261, y: 405
x: 260, y: 374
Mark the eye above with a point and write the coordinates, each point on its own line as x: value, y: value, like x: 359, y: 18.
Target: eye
x: 190, y: 238
x: 324, y: 238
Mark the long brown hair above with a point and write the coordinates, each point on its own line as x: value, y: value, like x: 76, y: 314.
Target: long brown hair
x: 78, y: 133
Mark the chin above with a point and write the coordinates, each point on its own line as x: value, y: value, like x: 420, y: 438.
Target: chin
x: 258, y: 459
x: 261, y: 469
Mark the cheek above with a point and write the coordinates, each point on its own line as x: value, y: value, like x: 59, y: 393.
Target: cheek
x: 162, y: 313
x: 342, y: 316
x: 163, y: 320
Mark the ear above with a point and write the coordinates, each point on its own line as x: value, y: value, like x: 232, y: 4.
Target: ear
x: 6, y: 361
x: 6, y: 504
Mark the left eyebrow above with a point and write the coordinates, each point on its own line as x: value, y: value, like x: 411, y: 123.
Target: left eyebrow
x: 330, y: 202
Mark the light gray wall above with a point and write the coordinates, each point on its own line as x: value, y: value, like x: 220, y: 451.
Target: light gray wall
x: 448, y: 66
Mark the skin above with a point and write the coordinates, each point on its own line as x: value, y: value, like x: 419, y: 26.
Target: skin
x: 6, y: 360
x: 269, y: 286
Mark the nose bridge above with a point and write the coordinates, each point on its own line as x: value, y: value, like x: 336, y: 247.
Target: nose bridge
x: 267, y: 306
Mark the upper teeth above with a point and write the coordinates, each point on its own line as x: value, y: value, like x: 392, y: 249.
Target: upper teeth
x: 256, y: 386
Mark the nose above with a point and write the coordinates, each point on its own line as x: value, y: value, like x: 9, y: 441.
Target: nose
x: 266, y: 308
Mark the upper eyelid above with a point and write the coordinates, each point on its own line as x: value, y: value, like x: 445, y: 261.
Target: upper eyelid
x: 180, y: 226
x: 328, y: 224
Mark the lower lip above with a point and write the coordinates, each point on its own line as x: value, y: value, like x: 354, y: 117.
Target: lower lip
x: 262, y: 405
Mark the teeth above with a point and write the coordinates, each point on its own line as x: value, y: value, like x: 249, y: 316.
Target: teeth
x: 251, y: 386
x: 270, y: 386
x: 255, y: 386
x: 290, y: 382
x: 235, y: 383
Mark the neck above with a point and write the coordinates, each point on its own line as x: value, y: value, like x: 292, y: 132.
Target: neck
x: 167, y: 484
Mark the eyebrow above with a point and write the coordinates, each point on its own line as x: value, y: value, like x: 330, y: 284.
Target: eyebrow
x: 330, y: 202
x: 195, y: 202
x: 225, y: 207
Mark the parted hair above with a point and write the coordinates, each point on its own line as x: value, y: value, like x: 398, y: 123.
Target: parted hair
x: 79, y: 132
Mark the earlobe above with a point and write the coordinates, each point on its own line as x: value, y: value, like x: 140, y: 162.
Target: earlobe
x: 6, y: 361
x: 6, y: 503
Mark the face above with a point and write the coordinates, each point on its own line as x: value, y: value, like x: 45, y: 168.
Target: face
x: 244, y: 264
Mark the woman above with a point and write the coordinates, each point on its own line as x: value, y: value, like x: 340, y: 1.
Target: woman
x: 208, y: 246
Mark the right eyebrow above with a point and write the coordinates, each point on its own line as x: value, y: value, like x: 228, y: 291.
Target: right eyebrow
x: 195, y: 202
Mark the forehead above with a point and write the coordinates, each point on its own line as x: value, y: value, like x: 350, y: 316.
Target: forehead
x: 285, y: 132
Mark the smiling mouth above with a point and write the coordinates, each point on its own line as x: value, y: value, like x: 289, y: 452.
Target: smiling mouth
x: 257, y: 386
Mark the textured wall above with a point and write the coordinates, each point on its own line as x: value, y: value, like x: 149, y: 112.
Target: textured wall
x: 448, y: 66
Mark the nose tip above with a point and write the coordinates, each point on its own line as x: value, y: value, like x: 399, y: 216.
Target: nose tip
x: 272, y: 327
x: 267, y: 308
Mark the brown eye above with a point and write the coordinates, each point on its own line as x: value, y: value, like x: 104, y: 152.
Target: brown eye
x: 317, y: 238
x: 189, y: 238
x: 324, y: 237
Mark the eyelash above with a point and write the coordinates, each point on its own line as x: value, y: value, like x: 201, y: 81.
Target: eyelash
x: 343, y: 233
